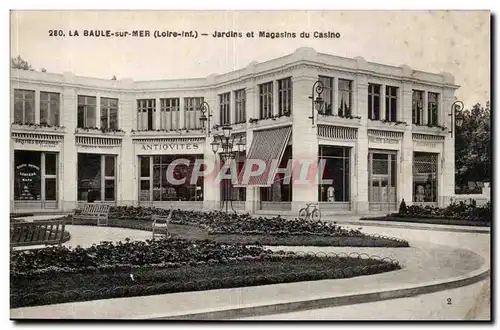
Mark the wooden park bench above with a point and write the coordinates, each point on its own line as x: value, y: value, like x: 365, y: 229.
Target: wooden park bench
x: 47, y: 232
x: 93, y: 211
x: 160, y: 224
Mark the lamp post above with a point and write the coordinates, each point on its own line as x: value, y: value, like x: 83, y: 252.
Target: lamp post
x: 317, y: 102
x: 456, y: 115
x: 226, y: 142
x: 206, y: 113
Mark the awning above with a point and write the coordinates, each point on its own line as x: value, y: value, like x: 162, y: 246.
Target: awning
x: 267, y: 146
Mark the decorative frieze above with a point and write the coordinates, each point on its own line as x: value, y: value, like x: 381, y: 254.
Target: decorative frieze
x: 337, y: 132
x: 98, y: 142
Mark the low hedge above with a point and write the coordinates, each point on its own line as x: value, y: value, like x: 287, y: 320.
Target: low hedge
x: 457, y: 211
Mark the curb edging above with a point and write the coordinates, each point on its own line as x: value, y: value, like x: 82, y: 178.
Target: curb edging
x: 294, y: 306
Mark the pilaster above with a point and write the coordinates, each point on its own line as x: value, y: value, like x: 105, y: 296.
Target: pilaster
x: 405, y: 182
x: 304, y: 139
x: 68, y: 184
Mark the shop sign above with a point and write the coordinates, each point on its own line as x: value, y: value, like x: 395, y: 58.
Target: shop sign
x: 426, y: 144
x: 36, y: 143
x: 382, y: 140
x: 170, y: 146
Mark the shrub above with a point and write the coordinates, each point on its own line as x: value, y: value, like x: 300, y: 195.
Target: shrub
x: 460, y: 211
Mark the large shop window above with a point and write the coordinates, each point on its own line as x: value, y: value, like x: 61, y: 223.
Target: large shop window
x: 225, y: 108
x: 49, y: 108
x: 418, y: 107
x: 96, y: 177
x: 345, y: 97
x: 228, y: 191
x: 336, y: 169
x: 374, y: 102
x: 240, y: 102
x: 285, y: 97
x: 266, y: 100
x: 169, y: 115
x: 327, y: 95
x: 35, y: 176
x: 425, y: 177
x: 155, y: 186
x: 281, y: 188
x: 24, y: 106
x: 86, y: 111
x: 192, y: 112
x: 146, y: 114
x: 109, y: 113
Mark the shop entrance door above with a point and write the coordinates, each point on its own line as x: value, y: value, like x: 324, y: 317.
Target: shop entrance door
x: 382, y: 180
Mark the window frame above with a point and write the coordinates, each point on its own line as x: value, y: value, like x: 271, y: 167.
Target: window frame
x: 240, y: 106
x: 266, y: 100
x: 389, y: 99
x: 348, y: 110
x: 106, y: 108
x: 170, y: 108
x: 328, y: 89
x: 86, y: 107
x: 432, y: 109
x: 225, y: 109
x: 51, y: 104
x: 192, y: 111
x: 143, y: 107
x: 24, y: 100
x: 285, y: 96
x: 417, y: 113
x: 372, y: 97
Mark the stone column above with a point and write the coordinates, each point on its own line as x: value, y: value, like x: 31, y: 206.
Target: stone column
x: 128, y: 167
x: 405, y: 182
x: 68, y: 188
x: 447, y: 188
x: 360, y: 200
x: 251, y: 111
x: 304, y: 139
x: 211, y: 185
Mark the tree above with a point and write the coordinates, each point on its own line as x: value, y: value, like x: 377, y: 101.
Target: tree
x: 114, y: 77
x: 43, y: 70
x: 19, y: 63
x: 473, y: 146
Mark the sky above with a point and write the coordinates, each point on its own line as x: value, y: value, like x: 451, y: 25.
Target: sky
x: 451, y: 41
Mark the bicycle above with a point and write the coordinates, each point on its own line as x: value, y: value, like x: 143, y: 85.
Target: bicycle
x: 314, y: 215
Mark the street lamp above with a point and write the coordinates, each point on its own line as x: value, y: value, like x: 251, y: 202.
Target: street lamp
x: 206, y: 113
x: 317, y: 103
x: 226, y: 142
x: 456, y: 115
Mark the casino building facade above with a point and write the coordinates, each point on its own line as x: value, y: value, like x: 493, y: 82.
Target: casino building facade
x: 382, y: 133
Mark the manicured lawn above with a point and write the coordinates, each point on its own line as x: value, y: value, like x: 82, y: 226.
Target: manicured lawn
x: 41, y: 289
x: 192, y: 232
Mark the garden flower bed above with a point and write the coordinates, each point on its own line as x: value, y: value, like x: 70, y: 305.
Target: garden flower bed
x: 468, y: 214
x: 244, y: 228
x: 107, y: 270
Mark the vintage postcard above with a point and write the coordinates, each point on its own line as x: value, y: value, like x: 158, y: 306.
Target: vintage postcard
x: 250, y: 165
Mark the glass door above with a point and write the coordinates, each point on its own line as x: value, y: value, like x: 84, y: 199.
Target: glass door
x: 382, y: 181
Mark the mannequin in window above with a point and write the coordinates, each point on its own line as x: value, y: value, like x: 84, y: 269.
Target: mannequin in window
x: 330, y: 193
x: 419, y: 196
